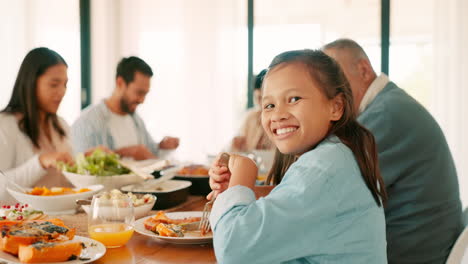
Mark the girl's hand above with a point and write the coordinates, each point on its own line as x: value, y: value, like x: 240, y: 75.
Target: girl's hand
x: 243, y: 170
x: 219, y: 178
x: 49, y: 160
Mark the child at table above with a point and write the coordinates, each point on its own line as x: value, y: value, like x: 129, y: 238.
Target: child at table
x: 328, y: 206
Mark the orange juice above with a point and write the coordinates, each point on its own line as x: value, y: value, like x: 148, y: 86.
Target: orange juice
x: 262, y: 176
x: 111, y: 235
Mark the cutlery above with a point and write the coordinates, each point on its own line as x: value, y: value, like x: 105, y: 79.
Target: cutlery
x: 136, y: 170
x: 204, y: 222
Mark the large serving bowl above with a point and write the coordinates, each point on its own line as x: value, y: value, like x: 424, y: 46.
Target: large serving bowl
x: 109, y: 182
x: 57, y: 204
x: 169, y: 193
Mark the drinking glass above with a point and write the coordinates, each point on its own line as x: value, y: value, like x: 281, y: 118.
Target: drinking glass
x: 111, y: 220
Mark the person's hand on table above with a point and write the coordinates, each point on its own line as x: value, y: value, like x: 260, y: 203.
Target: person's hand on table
x: 50, y: 159
x: 101, y: 147
x: 239, y: 143
x: 169, y: 143
x: 137, y: 152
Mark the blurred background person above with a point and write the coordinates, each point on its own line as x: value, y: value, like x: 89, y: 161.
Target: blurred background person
x: 252, y: 136
x: 113, y: 122
x: 32, y: 137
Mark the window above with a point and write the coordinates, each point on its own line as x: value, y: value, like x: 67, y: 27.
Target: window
x: 198, y: 52
x: 43, y: 23
x: 309, y: 24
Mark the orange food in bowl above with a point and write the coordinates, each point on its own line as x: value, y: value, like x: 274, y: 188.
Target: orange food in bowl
x: 44, y: 191
x: 193, y: 170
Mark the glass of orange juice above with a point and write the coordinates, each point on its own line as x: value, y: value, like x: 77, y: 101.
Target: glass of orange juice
x: 111, y: 219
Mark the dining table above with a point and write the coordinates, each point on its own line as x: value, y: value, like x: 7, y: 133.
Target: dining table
x: 143, y: 249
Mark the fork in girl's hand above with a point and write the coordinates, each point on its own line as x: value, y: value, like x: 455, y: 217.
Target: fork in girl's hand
x: 204, y: 222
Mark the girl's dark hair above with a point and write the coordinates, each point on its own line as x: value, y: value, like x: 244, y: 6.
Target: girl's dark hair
x: 23, y: 99
x: 327, y: 74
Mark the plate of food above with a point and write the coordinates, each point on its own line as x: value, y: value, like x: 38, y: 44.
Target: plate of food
x: 20, y: 211
x: 175, y: 227
x: 46, y: 241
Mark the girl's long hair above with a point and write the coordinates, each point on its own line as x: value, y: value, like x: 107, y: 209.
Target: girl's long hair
x: 23, y: 99
x: 330, y: 78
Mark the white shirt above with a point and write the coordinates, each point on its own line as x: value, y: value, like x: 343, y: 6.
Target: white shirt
x: 19, y: 161
x: 374, y: 89
x: 123, y: 130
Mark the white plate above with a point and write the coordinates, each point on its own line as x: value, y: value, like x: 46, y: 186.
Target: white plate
x: 140, y: 228
x: 93, y: 251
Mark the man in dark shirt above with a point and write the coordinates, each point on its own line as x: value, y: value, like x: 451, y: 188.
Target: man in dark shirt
x: 423, y: 213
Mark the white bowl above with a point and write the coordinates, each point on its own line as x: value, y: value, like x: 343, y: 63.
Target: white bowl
x: 109, y: 182
x: 57, y: 204
x: 139, y: 211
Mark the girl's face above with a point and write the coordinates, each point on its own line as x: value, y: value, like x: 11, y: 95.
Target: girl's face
x: 296, y: 115
x: 51, y: 87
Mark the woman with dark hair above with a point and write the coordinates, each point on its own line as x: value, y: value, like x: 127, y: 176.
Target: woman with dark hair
x: 32, y: 137
x: 328, y: 204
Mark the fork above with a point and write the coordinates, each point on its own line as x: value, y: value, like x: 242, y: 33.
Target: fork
x: 204, y: 221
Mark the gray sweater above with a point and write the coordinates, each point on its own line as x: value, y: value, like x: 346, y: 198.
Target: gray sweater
x: 423, y: 213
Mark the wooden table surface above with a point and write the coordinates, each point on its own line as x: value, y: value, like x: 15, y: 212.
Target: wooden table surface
x: 142, y: 249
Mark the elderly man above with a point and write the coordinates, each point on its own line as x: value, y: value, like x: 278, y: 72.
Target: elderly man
x: 113, y: 122
x: 423, y: 213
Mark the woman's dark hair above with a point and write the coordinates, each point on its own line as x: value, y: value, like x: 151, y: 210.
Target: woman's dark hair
x: 23, y: 99
x: 128, y: 66
x: 330, y: 78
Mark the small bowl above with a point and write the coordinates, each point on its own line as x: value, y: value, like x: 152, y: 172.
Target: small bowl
x: 139, y: 211
x: 57, y: 204
x: 170, y: 193
x: 109, y: 182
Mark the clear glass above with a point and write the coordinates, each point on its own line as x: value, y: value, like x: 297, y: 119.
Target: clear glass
x: 111, y: 221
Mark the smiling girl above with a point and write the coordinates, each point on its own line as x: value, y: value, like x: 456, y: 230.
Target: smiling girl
x: 32, y: 137
x: 328, y: 206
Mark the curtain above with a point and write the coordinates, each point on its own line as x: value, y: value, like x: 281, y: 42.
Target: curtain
x: 450, y: 94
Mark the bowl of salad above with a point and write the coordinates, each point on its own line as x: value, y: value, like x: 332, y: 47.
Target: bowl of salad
x: 98, y: 168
